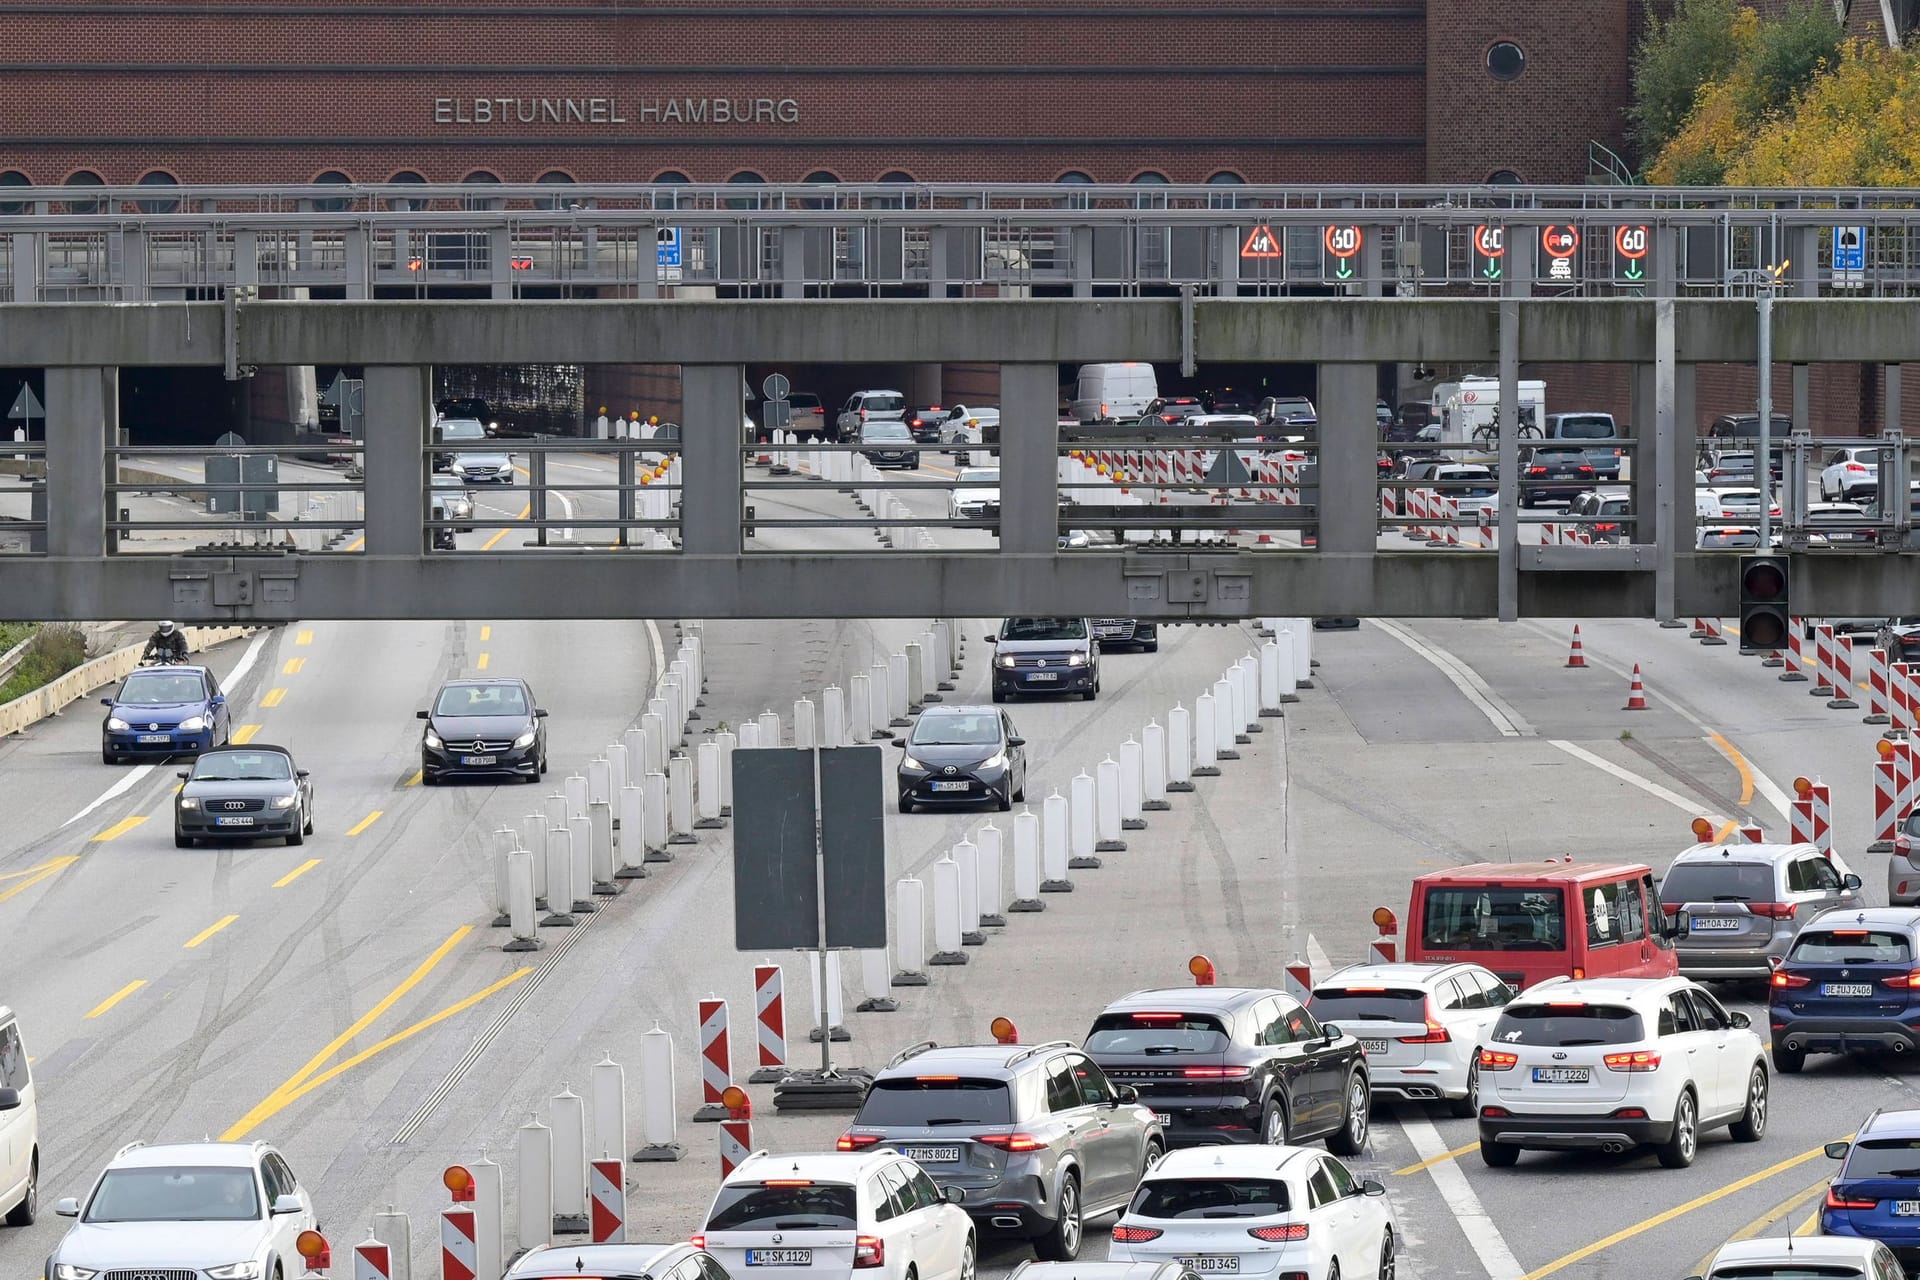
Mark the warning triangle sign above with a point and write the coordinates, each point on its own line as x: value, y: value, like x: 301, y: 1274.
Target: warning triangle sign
x: 1227, y: 469
x: 1261, y: 244
x: 26, y: 404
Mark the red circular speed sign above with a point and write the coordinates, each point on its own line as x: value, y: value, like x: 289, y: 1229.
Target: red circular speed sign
x: 1343, y: 242
x: 1490, y: 241
x: 1559, y: 242
x: 1630, y: 242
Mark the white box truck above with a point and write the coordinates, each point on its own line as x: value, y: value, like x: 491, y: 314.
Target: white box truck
x: 1469, y: 410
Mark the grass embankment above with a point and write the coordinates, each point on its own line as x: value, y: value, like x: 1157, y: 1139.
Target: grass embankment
x: 54, y: 650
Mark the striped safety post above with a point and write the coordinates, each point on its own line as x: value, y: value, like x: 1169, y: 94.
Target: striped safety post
x: 459, y: 1253
x: 1753, y: 835
x: 1547, y: 535
x: 1437, y: 514
x: 1794, y: 657
x: 1823, y: 818
x: 1800, y: 820
x: 1877, y: 688
x: 1842, y: 699
x: 1886, y: 799
x: 716, y: 1060
x: 1299, y: 982
x: 1823, y: 647
x: 1382, y: 950
x: 607, y: 1200
x: 736, y: 1131
x: 372, y: 1261
x: 1907, y: 696
x: 1388, y: 510
x: 1907, y: 779
x: 1453, y: 520
x: 1899, y: 705
x: 770, y: 1024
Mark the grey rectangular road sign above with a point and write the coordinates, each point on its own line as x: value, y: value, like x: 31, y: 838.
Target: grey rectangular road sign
x: 777, y: 871
x: 853, y: 832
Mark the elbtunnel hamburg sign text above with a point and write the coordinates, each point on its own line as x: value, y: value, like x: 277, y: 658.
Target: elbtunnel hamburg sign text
x: 616, y: 111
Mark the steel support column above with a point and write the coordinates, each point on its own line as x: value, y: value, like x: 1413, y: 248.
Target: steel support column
x: 399, y: 400
x: 711, y: 503
x: 1348, y: 504
x: 1890, y: 396
x: 1641, y: 458
x: 1509, y: 551
x: 77, y: 425
x: 1666, y: 450
x: 1029, y: 459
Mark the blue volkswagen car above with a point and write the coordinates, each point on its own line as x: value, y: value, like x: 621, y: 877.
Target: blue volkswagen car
x: 1876, y: 1194
x: 165, y: 711
x: 1850, y: 983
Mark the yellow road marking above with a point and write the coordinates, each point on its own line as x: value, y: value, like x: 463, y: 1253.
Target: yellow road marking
x: 356, y: 544
x: 117, y: 997
x: 486, y: 633
x: 293, y: 666
x: 1660, y: 1219
x: 481, y: 665
x: 1442, y: 1158
x: 296, y: 873
x: 365, y: 822
x: 244, y: 734
x: 524, y: 513
x: 209, y: 931
x: 34, y: 875
x: 278, y: 1098
x: 304, y: 637
x: 119, y: 829
x: 1739, y: 763
x: 414, y: 781
x: 1728, y: 829
x: 273, y: 697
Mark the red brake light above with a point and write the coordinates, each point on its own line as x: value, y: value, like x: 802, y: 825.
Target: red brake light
x: 1670, y: 908
x: 1836, y: 1201
x: 856, y: 1141
x: 1606, y: 528
x: 1136, y: 1235
x: 1585, y: 470
x: 1435, y: 1034
x: 788, y: 1182
x: 1498, y: 1060
x: 698, y: 1240
x: 869, y: 1251
x: 819, y: 409
x: 1781, y: 978
x: 1773, y: 910
x: 1010, y: 1141
x: 1292, y: 1231
x: 1158, y: 1017
x: 1536, y: 471
x: 1909, y: 981
x: 1637, y: 1060
x: 1216, y: 1073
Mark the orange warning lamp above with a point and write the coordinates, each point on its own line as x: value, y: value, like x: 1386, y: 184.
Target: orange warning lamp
x: 1802, y: 787
x: 1202, y: 970
x: 1702, y: 830
x: 1385, y: 921
x: 739, y: 1106
x: 459, y: 1183
x: 603, y: 410
x: 313, y: 1247
x: 1004, y: 1032
x: 634, y: 415
x: 1885, y: 749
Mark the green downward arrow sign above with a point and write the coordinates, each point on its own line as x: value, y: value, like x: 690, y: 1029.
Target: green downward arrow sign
x: 1491, y: 271
x: 1633, y: 271
x: 1345, y: 270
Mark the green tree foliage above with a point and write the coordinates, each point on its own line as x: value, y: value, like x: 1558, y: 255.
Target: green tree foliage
x: 1672, y: 62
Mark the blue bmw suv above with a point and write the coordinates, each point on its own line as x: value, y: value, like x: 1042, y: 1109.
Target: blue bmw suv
x: 1850, y: 983
x: 165, y: 711
x: 1876, y: 1194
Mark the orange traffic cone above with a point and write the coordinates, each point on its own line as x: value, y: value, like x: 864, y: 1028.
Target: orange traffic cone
x: 1575, y: 658
x: 1636, y: 692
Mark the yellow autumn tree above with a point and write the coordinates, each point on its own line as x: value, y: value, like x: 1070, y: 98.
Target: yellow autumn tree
x: 1858, y: 125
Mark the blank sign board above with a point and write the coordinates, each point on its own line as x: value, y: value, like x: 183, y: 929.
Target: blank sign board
x: 777, y: 868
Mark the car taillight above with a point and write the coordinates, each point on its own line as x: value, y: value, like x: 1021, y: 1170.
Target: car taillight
x: 1498, y: 1060
x: 1781, y: 978
x: 1584, y: 469
x: 1136, y: 1235
x: 1435, y: 1034
x: 856, y: 1141
x: 698, y: 1240
x: 820, y: 411
x: 869, y: 1251
x: 1010, y: 1141
x: 1637, y: 1060
x: 1909, y: 981
x: 1292, y: 1231
x: 1773, y: 910
x: 1854, y: 466
x: 1606, y: 528
x: 1843, y: 1200
x: 1216, y: 1073
x: 1670, y: 908
x: 1536, y: 471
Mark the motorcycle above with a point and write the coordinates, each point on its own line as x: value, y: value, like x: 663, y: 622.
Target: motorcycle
x: 159, y: 657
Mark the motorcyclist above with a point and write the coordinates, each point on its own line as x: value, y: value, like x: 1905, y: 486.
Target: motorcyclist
x: 168, y: 643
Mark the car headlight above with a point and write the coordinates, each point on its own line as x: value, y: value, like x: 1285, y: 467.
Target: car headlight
x: 525, y: 739
x: 193, y: 724
x: 433, y: 739
x: 908, y: 762
x: 458, y: 468
x: 235, y: 1271
x: 115, y: 722
x: 995, y: 761
x: 188, y: 802
x: 1005, y: 660
x: 1076, y: 659
x: 67, y: 1271
x: 283, y: 802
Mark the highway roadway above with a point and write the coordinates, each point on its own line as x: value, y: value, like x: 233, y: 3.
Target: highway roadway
x: 348, y: 1000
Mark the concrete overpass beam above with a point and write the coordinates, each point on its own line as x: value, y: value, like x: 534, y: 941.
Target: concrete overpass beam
x: 82, y: 404
x: 711, y: 499
x: 1029, y: 459
x: 399, y: 400
x: 1348, y: 505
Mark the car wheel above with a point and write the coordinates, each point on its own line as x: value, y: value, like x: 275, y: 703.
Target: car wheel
x: 1678, y: 1151
x: 1351, y: 1140
x: 307, y: 823
x: 1021, y: 794
x: 429, y: 779
x: 1464, y: 1108
x: 1788, y: 1062
x: 1088, y: 695
x: 1006, y: 801
x: 107, y: 757
x: 967, y: 1259
x: 906, y: 805
x: 294, y: 837
x: 1061, y: 1241
x: 1333, y: 1270
x: 1154, y: 1155
x: 1273, y: 1124
x: 1386, y: 1255
x: 23, y: 1214
x: 1495, y: 1156
x: 1752, y: 1126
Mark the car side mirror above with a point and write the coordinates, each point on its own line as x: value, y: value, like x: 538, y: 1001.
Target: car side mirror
x: 991, y: 638
x: 1126, y: 1093
x: 1739, y: 1020
x: 183, y: 773
x: 1016, y: 742
x: 106, y: 702
x: 954, y: 1195
x: 9, y: 1099
x: 67, y: 1207
x: 217, y: 700
x: 301, y: 773
x: 1373, y: 1187
x: 539, y: 713
x: 419, y: 715
x: 1837, y: 1150
x: 287, y: 1204
x: 1850, y: 881
x: 1682, y: 923
x: 1329, y: 1032
x: 899, y: 742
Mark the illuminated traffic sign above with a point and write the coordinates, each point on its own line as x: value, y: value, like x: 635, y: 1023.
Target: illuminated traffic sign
x: 1489, y: 247
x: 1558, y: 244
x: 1630, y: 246
x: 1343, y: 246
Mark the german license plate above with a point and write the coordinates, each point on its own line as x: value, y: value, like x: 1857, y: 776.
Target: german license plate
x: 1104, y: 633
x: 156, y: 737
x: 1562, y: 1075
x: 233, y: 822
x: 779, y: 1257
x: 1373, y: 1046
x: 1906, y: 1208
x: 949, y: 786
x: 1846, y: 988
x: 476, y: 759
x: 1204, y: 1264
x: 1707, y: 924
x: 1038, y: 676
x: 932, y: 1155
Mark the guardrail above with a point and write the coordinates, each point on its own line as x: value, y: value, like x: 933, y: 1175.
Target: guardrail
x: 50, y: 698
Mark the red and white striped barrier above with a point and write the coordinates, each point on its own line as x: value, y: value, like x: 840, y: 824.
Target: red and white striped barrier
x: 1817, y: 798
x: 1878, y: 690
x: 372, y: 1261
x: 1907, y: 786
x: 459, y: 1254
x: 1842, y: 699
x: 1548, y: 536
x: 1900, y: 703
x: 1389, y: 507
x: 1753, y: 835
x: 1800, y: 821
x: 1453, y: 520
x: 607, y: 1200
x: 1794, y: 656
x: 736, y: 1144
x: 716, y: 1060
x: 1299, y: 983
x: 1823, y: 648
x: 1886, y: 803
x: 1416, y: 514
x: 770, y: 1024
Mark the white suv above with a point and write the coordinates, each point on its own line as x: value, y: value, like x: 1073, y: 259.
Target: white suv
x: 207, y: 1210
x: 1613, y: 1063
x: 1420, y: 1025
x: 793, y: 1217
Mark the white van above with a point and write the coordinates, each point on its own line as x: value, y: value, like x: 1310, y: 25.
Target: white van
x: 1467, y: 414
x: 1114, y: 392
x: 19, y: 1128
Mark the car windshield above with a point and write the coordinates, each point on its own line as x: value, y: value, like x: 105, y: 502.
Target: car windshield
x: 1788, y: 1271
x: 1494, y: 918
x: 1209, y: 1198
x: 884, y: 404
x: 1739, y: 498
x: 744, y: 1206
x: 1594, y: 427
x: 462, y: 429
x: 923, y: 1101
x: 481, y: 700
x: 1850, y: 946
x: 1720, y: 881
x: 237, y: 766
x: 175, y: 1195
x: 1564, y: 1024
x: 442, y: 481
x: 156, y: 689
x: 956, y: 729
x: 1559, y: 457
x: 1150, y: 1032
x: 979, y: 476
x: 1369, y: 1004
x: 886, y: 431
x: 1022, y: 629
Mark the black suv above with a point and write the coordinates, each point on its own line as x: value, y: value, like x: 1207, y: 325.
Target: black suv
x: 1236, y: 1064
x: 483, y: 728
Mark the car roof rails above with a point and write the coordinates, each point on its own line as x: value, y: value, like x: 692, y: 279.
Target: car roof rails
x: 131, y: 1146
x: 1030, y: 1050
x: 909, y: 1052
x: 1555, y: 980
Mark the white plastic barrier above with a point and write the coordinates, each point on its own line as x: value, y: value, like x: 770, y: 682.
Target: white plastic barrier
x: 632, y: 844
x: 1223, y: 724
x: 707, y: 794
x: 804, y: 725
x: 659, y: 1115
x: 1206, y: 738
x: 560, y: 895
x: 1133, y: 786
x: 1082, y: 811
x: 1107, y: 807
x: 1055, y: 844
x: 580, y: 844
x: 909, y: 933
x: 990, y: 892
x: 533, y: 1167
x: 654, y: 794
x: 1179, y: 750
x: 680, y: 800
x: 966, y: 856
x: 1026, y: 863
x: 568, y: 1113
x: 945, y: 879
x: 727, y: 743
x: 1153, y: 768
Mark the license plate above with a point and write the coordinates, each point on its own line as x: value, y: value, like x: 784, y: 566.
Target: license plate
x: 1105, y: 632
x: 1846, y: 988
x: 476, y: 759
x: 1707, y: 924
x: 1562, y: 1075
x: 950, y: 786
x: 1906, y: 1208
x: 233, y: 822
x: 1204, y: 1265
x: 932, y: 1155
x: 779, y: 1257
x: 1043, y: 675
x: 156, y: 737
x: 1373, y: 1046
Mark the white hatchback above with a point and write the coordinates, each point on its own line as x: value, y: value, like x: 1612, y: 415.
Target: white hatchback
x: 1258, y: 1211
x: 1420, y: 1025
x: 1610, y: 1064
x: 804, y: 1217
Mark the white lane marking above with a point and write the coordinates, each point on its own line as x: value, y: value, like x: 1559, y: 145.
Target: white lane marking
x: 1452, y: 1184
x: 659, y: 650
x: 248, y: 658
x: 1768, y: 788
x: 1464, y: 678
x: 567, y: 507
x: 1317, y: 957
x: 1629, y: 777
x: 121, y: 787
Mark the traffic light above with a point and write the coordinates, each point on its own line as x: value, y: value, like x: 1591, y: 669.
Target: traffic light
x: 1763, y: 603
